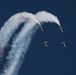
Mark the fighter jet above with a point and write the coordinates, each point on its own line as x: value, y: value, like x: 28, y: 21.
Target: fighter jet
x: 42, y: 28
x: 61, y: 29
x: 64, y: 44
x: 45, y: 43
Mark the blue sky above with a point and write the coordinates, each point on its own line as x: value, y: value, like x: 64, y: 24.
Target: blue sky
x: 54, y: 60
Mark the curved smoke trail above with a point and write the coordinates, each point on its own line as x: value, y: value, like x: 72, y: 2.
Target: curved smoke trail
x: 11, y: 25
x: 44, y: 16
x: 22, y: 42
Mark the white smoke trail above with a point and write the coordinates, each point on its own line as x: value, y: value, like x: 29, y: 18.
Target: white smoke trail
x: 10, y: 26
x: 21, y: 43
x: 19, y: 48
x: 44, y: 16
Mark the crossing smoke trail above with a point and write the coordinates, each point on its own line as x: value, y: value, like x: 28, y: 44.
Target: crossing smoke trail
x: 19, y: 48
x: 22, y: 42
x: 10, y: 26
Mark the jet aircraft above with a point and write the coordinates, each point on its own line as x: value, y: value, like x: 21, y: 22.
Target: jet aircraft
x: 64, y: 44
x: 45, y: 43
x: 61, y: 29
x: 42, y: 28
